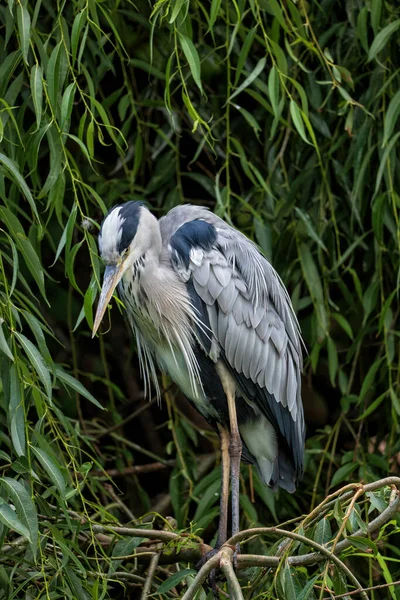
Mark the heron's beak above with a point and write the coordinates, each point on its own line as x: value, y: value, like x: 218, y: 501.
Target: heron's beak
x: 112, y: 275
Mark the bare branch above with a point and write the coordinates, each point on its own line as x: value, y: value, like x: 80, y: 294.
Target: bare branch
x: 201, y: 577
x: 149, y: 579
x: 242, y: 535
x: 226, y: 565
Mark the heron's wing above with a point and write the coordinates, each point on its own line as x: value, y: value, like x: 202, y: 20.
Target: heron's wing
x: 242, y: 300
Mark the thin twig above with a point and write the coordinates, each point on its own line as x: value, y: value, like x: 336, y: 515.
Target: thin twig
x: 151, y: 534
x: 150, y: 575
x: 126, y: 420
x: 120, y: 503
x: 134, y: 469
x: 368, y: 589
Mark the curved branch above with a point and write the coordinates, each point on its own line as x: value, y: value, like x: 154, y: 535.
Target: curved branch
x: 235, y: 539
x: 201, y: 576
x: 225, y: 564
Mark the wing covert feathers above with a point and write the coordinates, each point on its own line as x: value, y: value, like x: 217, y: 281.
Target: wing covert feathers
x: 250, y: 315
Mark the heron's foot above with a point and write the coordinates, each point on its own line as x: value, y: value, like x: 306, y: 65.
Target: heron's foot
x: 212, y: 577
x: 235, y: 555
x: 207, y: 557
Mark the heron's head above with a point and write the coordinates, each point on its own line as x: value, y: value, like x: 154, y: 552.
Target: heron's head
x: 125, y: 236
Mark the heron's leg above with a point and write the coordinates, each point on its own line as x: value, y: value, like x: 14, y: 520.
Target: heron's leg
x: 235, y: 453
x: 224, y: 439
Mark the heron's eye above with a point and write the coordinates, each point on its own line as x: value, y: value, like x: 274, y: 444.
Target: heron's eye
x: 126, y: 252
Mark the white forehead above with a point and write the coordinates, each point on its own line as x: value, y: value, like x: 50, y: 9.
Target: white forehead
x: 110, y: 236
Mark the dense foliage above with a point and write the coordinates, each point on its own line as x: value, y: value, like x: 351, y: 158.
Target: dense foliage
x: 283, y: 117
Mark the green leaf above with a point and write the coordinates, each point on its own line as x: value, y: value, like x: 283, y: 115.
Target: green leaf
x: 376, y: 12
x: 176, y: 9
x: 382, y: 39
x: 17, y: 177
x: 78, y: 23
x: 56, y: 155
x: 3, y: 342
x: 383, y: 165
x: 289, y: 583
x: 10, y: 519
x: 250, y: 78
x: 25, y: 247
x: 273, y: 91
x: 369, y: 379
x: 16, y: 413
x: 36, y: 81
x: 323, y: 532
x: 193, y: 59
x: 209, y: 498
x: 362, y: 28
x: 372, y: 407
x: 36, y: 361
x: 314, y: 284
x: 53, y: 75
x: 25, y: 508
x: 305, y: 217
x: 214, y: 11
x: 24, y: 29
x: 333, y: 361
x: 343, y: 473
x: 244, y: 52
x: 77, y: 386
x: 66, y: 106
x: 249, y: 118
x: 51, y: 469
x: 174, y: 580
x: 344, y: 324
x: 297, y: 116
x: 276, y: 10
x: 392, y: 114
x: 387, y: 575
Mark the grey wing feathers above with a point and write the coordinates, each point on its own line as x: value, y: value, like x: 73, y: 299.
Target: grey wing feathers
x: 250, y: 315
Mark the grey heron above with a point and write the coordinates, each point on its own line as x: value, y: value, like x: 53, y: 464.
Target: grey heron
x: 212, y: 312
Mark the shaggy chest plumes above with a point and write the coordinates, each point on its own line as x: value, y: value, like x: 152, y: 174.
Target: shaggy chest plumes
x: 162, y: 319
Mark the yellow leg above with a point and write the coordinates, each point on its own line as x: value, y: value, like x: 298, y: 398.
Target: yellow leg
x: 235, y: 446
x: 224, y: 439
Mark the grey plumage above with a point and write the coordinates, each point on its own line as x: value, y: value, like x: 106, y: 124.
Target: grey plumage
x: 204, y: 292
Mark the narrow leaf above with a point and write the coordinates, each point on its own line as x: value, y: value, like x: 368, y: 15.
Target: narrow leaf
x: 250, y: 78
x: 193, y: 59
x: 36, y: 81
x: 36, y: 361
x: 391, y: 117
x: 24, y: 28
x: 51, y: 469
x: 25, y: 247
x: 25, y: 508
x: 323, y: 532
x: 10, y: 519
x: 244, y: 52
x: 273, y: 90
x: 343, y: 473
x: 333, y: 361
x: 173, y: 581
x: 382, y: 39
x: 77, y: 386
x: 16, y: 175
x: 297, y: 117
x: 17, y: 413
x: 3, y: 342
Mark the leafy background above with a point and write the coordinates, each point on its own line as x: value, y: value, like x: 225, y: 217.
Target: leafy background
x: 281, y: 116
